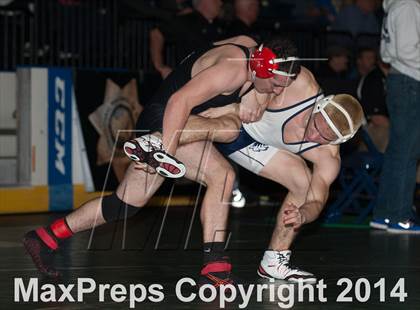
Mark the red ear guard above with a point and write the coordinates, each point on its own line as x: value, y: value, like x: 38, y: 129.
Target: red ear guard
x: 262, y: 62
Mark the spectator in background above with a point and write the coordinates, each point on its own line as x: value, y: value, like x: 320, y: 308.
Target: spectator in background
x: 246, y: 14
x: 400, y: 48
x: 337, y: 65
x: 357, y: 18
x: 371, y: 94
x: 177, y: 7
x: 323, y: 12
x: 188, y: 32
x: 333, y: 75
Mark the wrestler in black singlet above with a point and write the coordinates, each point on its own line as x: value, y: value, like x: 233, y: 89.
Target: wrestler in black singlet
x: 151, y: 118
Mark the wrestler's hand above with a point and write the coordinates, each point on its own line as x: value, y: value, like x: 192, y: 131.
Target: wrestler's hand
x: 220, y: 111
x: 292, y: 216
x: 250, y: 111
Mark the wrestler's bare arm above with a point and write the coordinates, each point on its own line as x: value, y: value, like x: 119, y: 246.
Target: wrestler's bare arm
x: 232, y: 108
x: 260, y: 101
x: 326, y: 166
x: 216, y: 124
x: 222, y: 77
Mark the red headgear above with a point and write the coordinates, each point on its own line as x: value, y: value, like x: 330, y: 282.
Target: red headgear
x: 264, y: 63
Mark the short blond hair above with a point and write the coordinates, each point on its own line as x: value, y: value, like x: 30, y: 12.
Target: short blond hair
x: 353, y: 108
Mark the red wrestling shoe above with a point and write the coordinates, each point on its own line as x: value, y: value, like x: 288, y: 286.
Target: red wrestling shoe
x: 42, y: 255
x: 42, y: 245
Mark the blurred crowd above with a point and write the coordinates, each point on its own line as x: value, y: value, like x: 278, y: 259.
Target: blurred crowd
x: 350, y: 28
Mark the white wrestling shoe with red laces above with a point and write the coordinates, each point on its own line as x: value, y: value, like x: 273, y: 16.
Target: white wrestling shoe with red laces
x: 148, y: 149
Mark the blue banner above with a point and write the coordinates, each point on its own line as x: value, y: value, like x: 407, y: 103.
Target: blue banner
x: 60, y: 139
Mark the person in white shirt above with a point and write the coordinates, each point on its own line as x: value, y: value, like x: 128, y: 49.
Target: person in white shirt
x: 400, y: 47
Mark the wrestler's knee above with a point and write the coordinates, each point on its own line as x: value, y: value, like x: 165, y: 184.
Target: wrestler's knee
x: 113, y: 208
x: 299, y: 184
x: 220, y: 173
x: 137, y: 200
x: 138, y: 186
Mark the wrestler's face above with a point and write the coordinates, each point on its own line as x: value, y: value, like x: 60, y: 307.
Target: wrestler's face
x: 319, y: 131
x: 274, y: 85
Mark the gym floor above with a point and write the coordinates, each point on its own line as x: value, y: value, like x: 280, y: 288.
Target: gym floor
x: 149, y: 252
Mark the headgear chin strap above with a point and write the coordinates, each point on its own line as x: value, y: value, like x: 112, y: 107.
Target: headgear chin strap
x: 264, y: 63
x: 320, y: 108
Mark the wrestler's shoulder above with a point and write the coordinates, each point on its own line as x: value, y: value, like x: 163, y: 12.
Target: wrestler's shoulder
x: 307, y: 81
x: 306, y: 76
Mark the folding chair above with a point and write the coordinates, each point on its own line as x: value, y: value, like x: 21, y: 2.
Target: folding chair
x: 358, y: 180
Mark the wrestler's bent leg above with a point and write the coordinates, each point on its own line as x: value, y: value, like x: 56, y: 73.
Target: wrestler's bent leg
x: 290, y: 171
x: 207, y: 166
x: 134, y: 191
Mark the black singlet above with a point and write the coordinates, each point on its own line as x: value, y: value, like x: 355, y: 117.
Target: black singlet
x: 151, y: 118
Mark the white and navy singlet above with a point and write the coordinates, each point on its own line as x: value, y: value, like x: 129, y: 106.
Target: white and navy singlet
x: 259, y: 141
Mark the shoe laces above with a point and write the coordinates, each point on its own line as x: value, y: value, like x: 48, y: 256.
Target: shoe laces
x: 284, y: 260
x: 155, y: 145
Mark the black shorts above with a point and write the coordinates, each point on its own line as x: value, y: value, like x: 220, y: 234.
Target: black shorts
x: 150, y: 119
